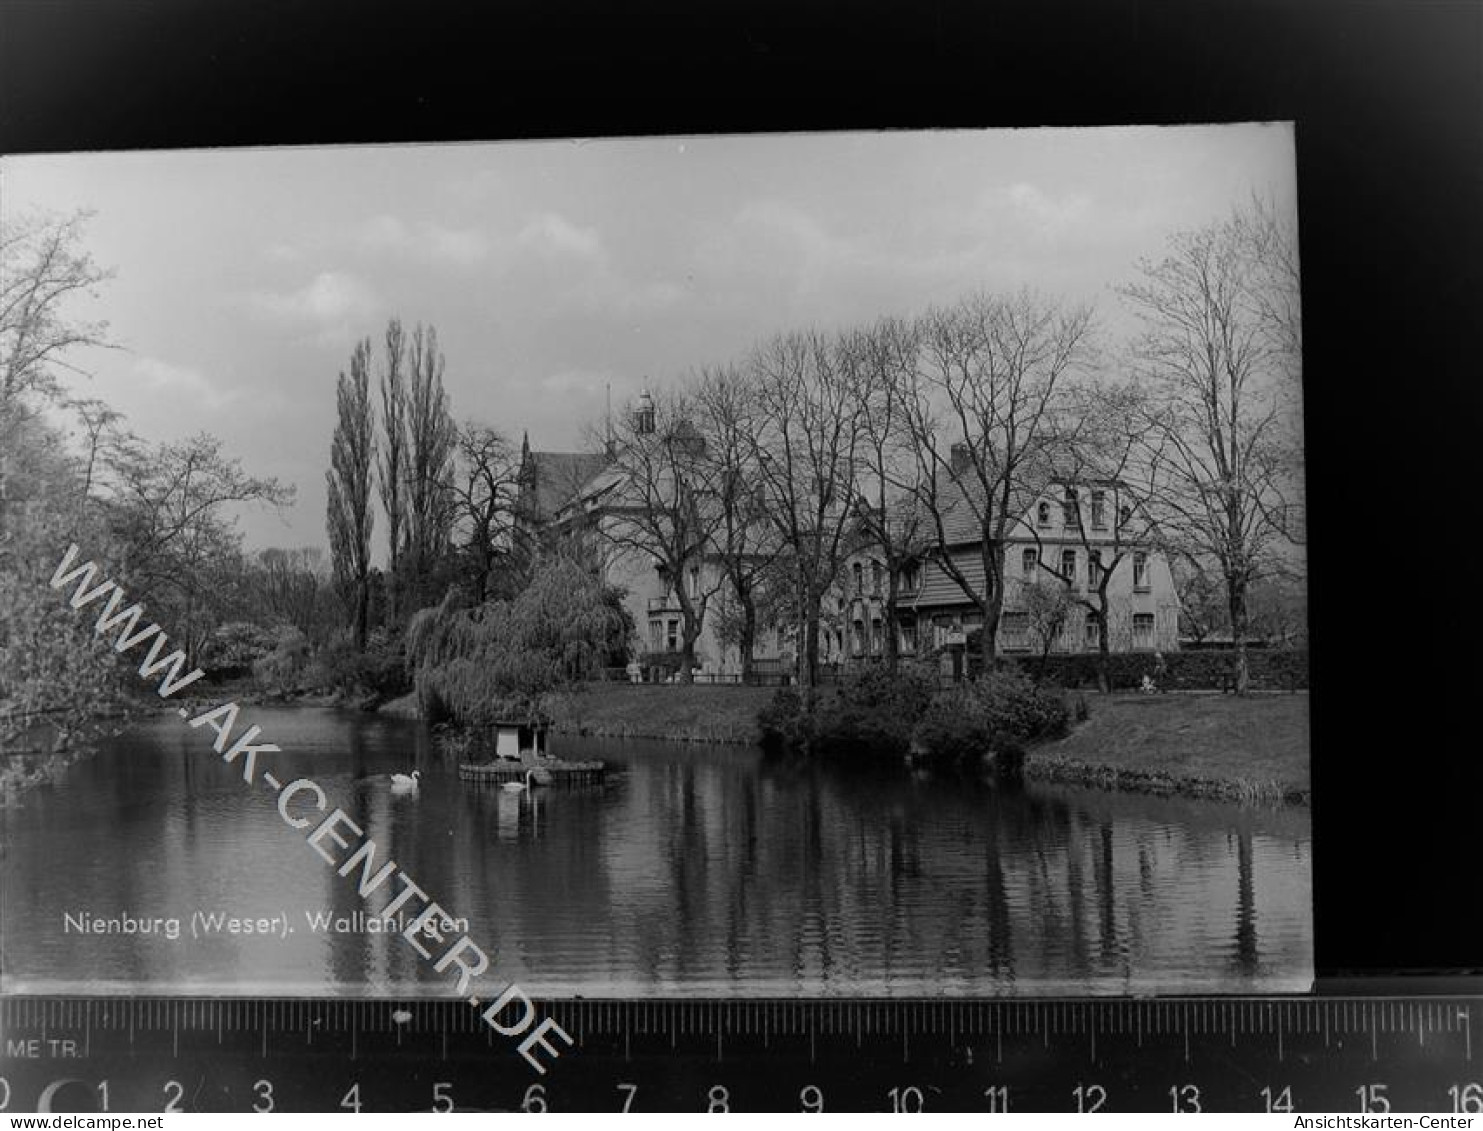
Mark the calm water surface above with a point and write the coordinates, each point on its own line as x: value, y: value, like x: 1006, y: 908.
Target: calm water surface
x: 690, y: 871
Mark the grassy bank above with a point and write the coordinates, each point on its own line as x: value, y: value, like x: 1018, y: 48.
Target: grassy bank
x: 678, y: 713
x: 1220, y: 746
x: 1216, y: 746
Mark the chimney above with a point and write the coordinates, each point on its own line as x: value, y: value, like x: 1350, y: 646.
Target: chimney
x: 960, y: 458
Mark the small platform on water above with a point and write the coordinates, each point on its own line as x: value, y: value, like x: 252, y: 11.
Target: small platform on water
x: 560, y: 772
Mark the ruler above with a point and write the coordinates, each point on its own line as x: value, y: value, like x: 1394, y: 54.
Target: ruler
x: 1359, y: 1054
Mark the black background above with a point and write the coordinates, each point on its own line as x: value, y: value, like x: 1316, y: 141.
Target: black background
x: 1388, y: 100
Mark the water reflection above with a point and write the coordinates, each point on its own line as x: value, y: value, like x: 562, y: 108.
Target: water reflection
x: 689, y: 871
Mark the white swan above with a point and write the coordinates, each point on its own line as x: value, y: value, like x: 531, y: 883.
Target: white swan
x: 519, y: 787
x: 405, y: 783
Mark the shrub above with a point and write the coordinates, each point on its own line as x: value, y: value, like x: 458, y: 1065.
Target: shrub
x: 234, y: 648
x: 782, y: 721
x: 953, y: 729
x: 870, y: 713
x: 379, y: 673
x: 995, y: 715
x: 284, y: 667
x: 1015, y: 709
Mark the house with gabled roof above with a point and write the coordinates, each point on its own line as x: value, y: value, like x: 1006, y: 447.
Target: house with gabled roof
x: 582, y: 502
x: 1069, y: 537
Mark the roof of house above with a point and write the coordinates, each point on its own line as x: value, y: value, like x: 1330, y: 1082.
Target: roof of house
x: 553, y: 478
x: 939, y: 588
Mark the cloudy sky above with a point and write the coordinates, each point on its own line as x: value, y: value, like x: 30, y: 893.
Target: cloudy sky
x: 552, y: 270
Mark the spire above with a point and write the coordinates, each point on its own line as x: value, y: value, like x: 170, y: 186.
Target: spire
x: 608, y: 438
x: 643, y: 414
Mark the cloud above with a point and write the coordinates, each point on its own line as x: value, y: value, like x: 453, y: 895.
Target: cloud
x: 180, y: 384
x: 1051, y: 215
x: 279, y: 252
x: 553, y: 234
x: 424, y: 240
x: 328, y: 304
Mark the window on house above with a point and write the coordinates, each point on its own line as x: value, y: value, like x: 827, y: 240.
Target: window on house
x: 857, y: 638
x: 875, y: 578
x: 1014, y: 631
x: 1094, y: 568
x: 1068, y: 566
x: 656, y: 635
x: 877, y: 637
x: 1042, y: 514
x: 909, y: 637
x: 1028, y: 561
x: 1142, y: 630
x: 911, y: 578
x: 672, y: 635
x: 1140, y: 571
x: 695, y: 583
x: 859, y: 578
x: 1124, y: 513
x: 1068, y: 507
x: 1093, y: 633
x: 1099, y: 510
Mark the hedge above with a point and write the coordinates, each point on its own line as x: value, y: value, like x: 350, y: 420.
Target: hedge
x: 1270, y: 670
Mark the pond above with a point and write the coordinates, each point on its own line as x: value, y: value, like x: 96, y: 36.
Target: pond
x: 690, y: 871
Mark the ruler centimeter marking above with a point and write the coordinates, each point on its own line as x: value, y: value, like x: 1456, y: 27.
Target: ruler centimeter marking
x: 1236, y: 1053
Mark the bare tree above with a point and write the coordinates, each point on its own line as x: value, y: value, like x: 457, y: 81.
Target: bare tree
x: 42, y: 269
x: 1202, y: 601
x: 1215, y: 450
x: 350, y: 518
x: 485, y: 492
x: 807, y: 444
x: 1047, y: 611
x: 1092, y: 462
x: 103, y: 436
x: 392, y: 466
x: 292, y: 586
x: 744, y: 543
x: 984, y: 415
x: 172, y: 515
x: 881, y: 360
x: 660, y: 505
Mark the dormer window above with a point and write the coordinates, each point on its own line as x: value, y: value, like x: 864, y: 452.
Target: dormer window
x: 1124, y: 515
x: 1140, y: 572
x: 1042, y: 514
x: 1099, y: 510
x: 859, y: 578
x: 911, y: 578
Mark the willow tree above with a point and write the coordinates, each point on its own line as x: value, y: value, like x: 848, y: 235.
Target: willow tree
x: 349, y: 515
x: 504, y: 659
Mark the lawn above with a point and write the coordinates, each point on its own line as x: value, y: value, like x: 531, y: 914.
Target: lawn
x: 1257, y: 744
x: 695, y: 713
